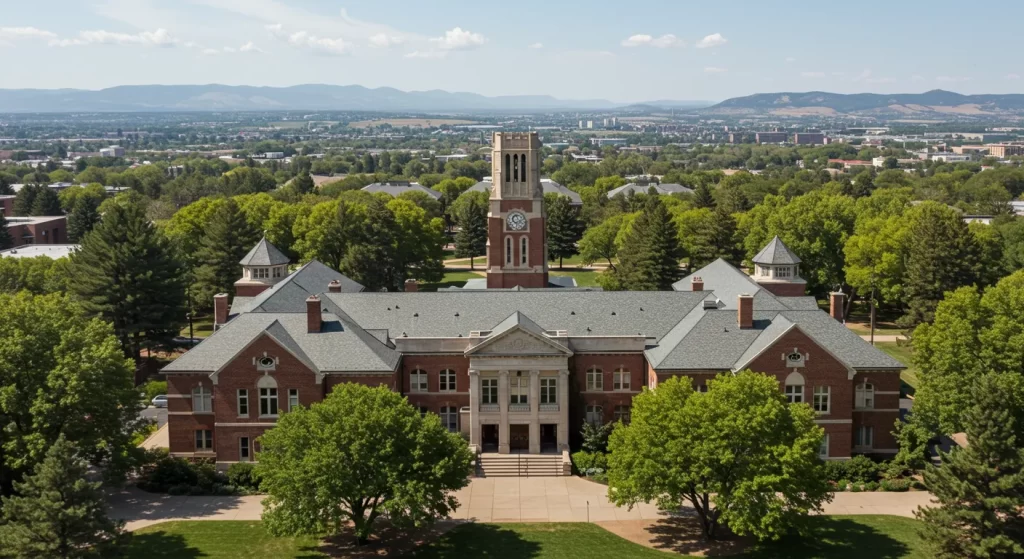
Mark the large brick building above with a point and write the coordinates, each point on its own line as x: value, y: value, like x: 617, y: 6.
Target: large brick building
x: 517, y: 364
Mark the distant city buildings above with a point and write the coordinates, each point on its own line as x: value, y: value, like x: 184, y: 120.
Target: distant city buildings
x: 771, y: 137
x: 808, y: 138
x: 112, y: 151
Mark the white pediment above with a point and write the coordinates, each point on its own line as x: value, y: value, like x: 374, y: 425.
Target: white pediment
x: 518, y: 342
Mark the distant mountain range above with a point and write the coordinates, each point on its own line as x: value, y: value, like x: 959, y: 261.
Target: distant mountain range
x: 136, y: 98
x: 934, y: 103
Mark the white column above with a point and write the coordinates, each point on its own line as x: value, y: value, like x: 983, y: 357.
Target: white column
x: 563, y: 410
x: 534, y: 412
x: 474, y: 408
x: 503, y: 406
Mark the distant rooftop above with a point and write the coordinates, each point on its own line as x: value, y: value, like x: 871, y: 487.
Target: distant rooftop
x: 31, y: 251
x: 395, y: 188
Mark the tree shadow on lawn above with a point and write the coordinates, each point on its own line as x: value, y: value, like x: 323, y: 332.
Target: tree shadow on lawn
x: 386, y: 541
x: 158, y: 545
x: 478, y: 540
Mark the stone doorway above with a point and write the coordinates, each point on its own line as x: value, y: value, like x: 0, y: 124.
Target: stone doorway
x: 519, y: 438
x: 489, y: 437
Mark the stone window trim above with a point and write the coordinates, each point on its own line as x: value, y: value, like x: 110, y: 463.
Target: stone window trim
x: 864, y: 396
x: 204, y: 440
x: 244, y: 450
x: 268, y: 396
x: 243, y: 402
x: 621, y: 380
x: 595, y: 380
x: 450, y: 418
x: 548, y: 390
x: 794, y: 388
x: 489, y: 390
x: 508, y: 251
x: 822, y: 400
x: 524, y: 250
x: 863, y: 437
x: 418, y: 381
x: 594, y: 415
x: 293, y: 398
x: 823, y: 449
x: 202, y: 399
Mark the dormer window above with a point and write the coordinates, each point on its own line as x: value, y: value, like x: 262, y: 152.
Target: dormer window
x: 260, y: 273
x: 277, y: 272
x: 784, y: 272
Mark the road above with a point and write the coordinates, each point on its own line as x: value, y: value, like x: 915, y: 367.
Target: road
x: 157, y: 414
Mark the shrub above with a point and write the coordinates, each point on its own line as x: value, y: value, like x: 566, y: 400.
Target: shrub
x: 588, y: 463
x: 862, y: 468
x: 240, y: 475
x: 871, y: 486
x: 843, y: 484
x: 835, y: 470
x: 895, y: 485
x: 178, y: 476
x: 153, y: 388
x: 857, y: 487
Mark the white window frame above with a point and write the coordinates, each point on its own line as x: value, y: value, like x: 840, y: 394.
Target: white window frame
x: 243, y: 402
x: 524, y: 250
x: 268, y: 402
x: 489, y: 390
x: 594, y: 415
x: 244, y: 449
x: 822, y: 400
x: 595, y: 379
x: 794, y: 388
x: 622, y: 413
x: 548, y: 390
x: 864, y: 437
x: 823, y: 449
x: 621, y: 380
x: 202, y: 400
x: 864, y: 396
x: 450, y: 418
x: 277, y: 272
x: 418, y: 381
x: 293, y: 398
x: 519, y: 389
x: 447, y: 380
x: 204, y: 440
x: 260, y: 273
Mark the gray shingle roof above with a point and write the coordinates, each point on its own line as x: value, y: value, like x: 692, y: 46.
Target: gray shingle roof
x: 549, y: 186
x: 666, y: 188
x: 289, y: 295
x: 264, y: 254
x: 776, y: 252
x: 395, y: 189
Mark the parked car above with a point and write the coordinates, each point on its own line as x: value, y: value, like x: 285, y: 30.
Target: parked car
x: 160, y: 401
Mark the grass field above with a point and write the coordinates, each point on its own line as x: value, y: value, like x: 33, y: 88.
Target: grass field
x: 584, y: 278
x: 835, y: 537
x: 456, y: 278
x: 201, y: 327
x: 398, y: 122
x: 904, y: 354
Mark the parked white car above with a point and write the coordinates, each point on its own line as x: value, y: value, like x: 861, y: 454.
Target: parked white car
x: 160, y: 401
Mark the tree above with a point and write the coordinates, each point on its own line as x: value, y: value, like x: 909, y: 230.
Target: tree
x: 303, y: 183
x: 56, y: 512
x: 706, y: 235
x: 46, y: 202
x: 126, y: 272
x: 372, y: 257
x: 600, y: 242
x: 470, y: 213
x: 6, y: 241
x: 227, y: 239
x: 83, y: 217
x: 397, y: 463
x: 419, y: 243
x: 650, y: 253
x: 247, y: 180
x: 740, y: 454
x: 564, y: 228
x: 25, y: 199
x: 980, y: 488
x: 702, y: 197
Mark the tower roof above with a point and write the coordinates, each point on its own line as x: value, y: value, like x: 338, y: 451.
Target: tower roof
x: 776, y: 252
x: 265, y: 254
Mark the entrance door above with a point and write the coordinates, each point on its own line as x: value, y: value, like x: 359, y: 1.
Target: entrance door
x: 548, y: 437
x: 519, y: 438
x: 489, y: 437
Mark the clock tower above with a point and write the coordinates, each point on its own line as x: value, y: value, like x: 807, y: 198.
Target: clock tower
x: 516, y: 237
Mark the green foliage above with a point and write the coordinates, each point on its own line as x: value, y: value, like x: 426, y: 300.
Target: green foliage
x: 240, y: 474
x: 913, y: 439
x: 56, y: 512
x: 595, y: 437
x: 980, y: 488
x: 739, y: 454
x: 590, y: 463
x: 650, y: 253
x: 6, y: 241
x: 706, y: 235
x: 600, y: 242
x: 862, y: 469
x: 177, y: 476
x: 894, y: 485
x: 227, y: 238
x: 83, y: 217
x: 152, y: 389
x: 38, y: 275
x: 564, y: 228
x: 398, y: 463
x: 303, y: 183
x: 470, y: 214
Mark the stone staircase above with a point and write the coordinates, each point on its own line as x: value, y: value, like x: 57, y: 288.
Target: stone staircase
x: 519, y: 465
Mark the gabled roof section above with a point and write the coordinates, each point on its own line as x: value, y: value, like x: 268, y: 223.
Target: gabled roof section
x: 265, y: 254
x: 518, y: 322
x: 727, y: 282
x: 776, y: 252
x: 290, y: 294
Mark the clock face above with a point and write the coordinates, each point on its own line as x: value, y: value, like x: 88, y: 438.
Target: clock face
x: 516, y: 221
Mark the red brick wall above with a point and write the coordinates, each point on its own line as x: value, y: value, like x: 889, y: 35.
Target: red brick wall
x: 785, y: 289
x: 433, y: 365
x: 250, y: 290
x: 182, y: 428
x: 56, y: 232
x: 607, y: 398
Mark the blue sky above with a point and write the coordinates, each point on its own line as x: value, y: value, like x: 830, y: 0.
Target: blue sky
x: 611, y: 49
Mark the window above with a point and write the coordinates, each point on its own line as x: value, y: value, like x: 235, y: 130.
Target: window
x: 620, y: 380
x: 794, y: 389
x: 447, y: 380
x: 865, y: 396
x: 293, y: 398
x: 508, y: 250
x: 418, y: 381
x: 260, y: 273
x: 515, y: 167
x: 204, y: 439
x: 523, y: 253
x: 622, y: 414
x: 822, y: 399
x: 595, y: 379
x: 782, y: 272
x: 277, y: 272
x: 489, y: 391
x: 243, y: 449
x: 243, y: 402
x: 268, y: 396
x: 506, y: 174
x: 450, y: 418
x: 864, y: 436
x: 594, y: 415
x: 703, y: 387
x: 519, y: 389
x: 823, y: 449
x: 202, y: 400
x: 424, y: 411
x: 548, y: 391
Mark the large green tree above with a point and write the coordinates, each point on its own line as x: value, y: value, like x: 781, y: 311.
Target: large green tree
x: 396, y: 463
x: 707, y: 235
x: 564, y: 227
x: 6, y: 241
x: 46, y: 202
x: 470, y: 214
x: 650, y: 251
x: 979, y: 489
x: 739, y: 454
x: 83, y: 217
x: 600, y: 242
x: 126, y: 272
x: 227, y: 238
x: 57, y: 512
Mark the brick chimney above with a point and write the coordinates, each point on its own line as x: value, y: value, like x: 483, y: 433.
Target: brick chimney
x: 220, y: 309
x: 313, y: 316
x: 745, y: 313
x: 697, y: 284
x: 836, y: 305
x: 334, y: 286
x: 411, y: 286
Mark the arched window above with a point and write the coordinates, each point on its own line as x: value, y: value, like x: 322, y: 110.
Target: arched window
x: 794, y: 389
x: 522, y: 168
x: 865, y: 396
x: 595, y: 379
x: 523, y: 252
x: 515, y: 167
x: 268, y: 396
x: 507, y: 168
x: 508, y: 251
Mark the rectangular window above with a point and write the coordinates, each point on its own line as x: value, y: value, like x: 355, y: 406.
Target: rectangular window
x: 594, y: 415
x: 268, y: 401
x: 823, y: 449
x: 277, y: 272
x: 202, y: 399
x: 259, y: 273
x: 450, y: 418
x: 243, y: 402
x: 204, y: 439
x: 822, y: 399
x: 447, y: 380
x: 864, y: 437
x: 703, y: 387
x: 418, y: 381
x: 293, y: 398
x: 595, y: 380
x: 489, y: 391
x: 243, y: 449
x: 519, y: 390
x: 622, y: 414
x: 794, y: 393
x: 522, y: 251
x: 549, y: 391
x: 424, y: 411
x: 620, y: 380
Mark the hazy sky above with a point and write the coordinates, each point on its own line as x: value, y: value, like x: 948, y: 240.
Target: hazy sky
x: 619, y: 50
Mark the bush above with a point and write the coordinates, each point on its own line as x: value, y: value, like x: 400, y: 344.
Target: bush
x: 835, y: 470
x: 871, y: 486
x: 895, y: 485
x: 153, y: 388
x: 589, y: 463
x: 240, y: 475
x: 857, y: 487
x: 178, y: 476
x: 843, y: 484
x: 862, y: 468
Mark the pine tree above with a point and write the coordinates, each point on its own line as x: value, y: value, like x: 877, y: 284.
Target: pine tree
x: 227, y: 238
x: 564, y: 229
x: 650, y: 253
x: 46, y: 202
x: 83, y: 217
x: 702, y: 197
x: 471, y: 216
x: 25, y: 198
x: 56, y: 512
x: 980, y: 488
x: 126, y: 272
x: 303, y: 183
x: 6, y: 241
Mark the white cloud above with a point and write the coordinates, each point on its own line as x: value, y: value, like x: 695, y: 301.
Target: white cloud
x: 643, y: 40
x: 537, y: 46
x: 917, y: 77
x: 427, y: 54
x: 323, y: 45
x: 158, y: 38
x: 15, y: 33
x: 713, y: 40
x: 1012, y: 76
x: 952, y: 79
x: 383, y: 40
x: 715, y: 70
x: 790, y: 59
x: 275, y: 28
x: 458, y: 39
x: 812, y: 74
x: 250, y: 47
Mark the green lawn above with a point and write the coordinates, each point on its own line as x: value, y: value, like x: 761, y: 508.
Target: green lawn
x: 202, y: 327
x: 904, y: 354
x: 836, y: 537
x: 454, y: 278
x: 584, y: 278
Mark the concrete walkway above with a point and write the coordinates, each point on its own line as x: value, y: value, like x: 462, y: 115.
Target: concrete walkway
x: 539, y: 499
x: 884, y: 337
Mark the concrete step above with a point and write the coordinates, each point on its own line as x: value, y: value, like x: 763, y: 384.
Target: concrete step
x: 520, y: 465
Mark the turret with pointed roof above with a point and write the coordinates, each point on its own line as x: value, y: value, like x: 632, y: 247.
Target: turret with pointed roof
x: 777, y: 269
x: 264, y: 266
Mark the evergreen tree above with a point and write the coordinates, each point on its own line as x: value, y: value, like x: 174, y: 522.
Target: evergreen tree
x: 303, y: 183
x: 980, y: 488
x: 702, y: 197
x: 25, y: 198
x: 46, y: 202
x: 5, y: 186
x: 650, y: 253
x: 6, y: 241
x: 470, y: 213
x: 564, y: 228
x: 127, y: 273
x: 56, y: 512
x: 372, y: 257
x: 227, y: 238
x: 83, y: 217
